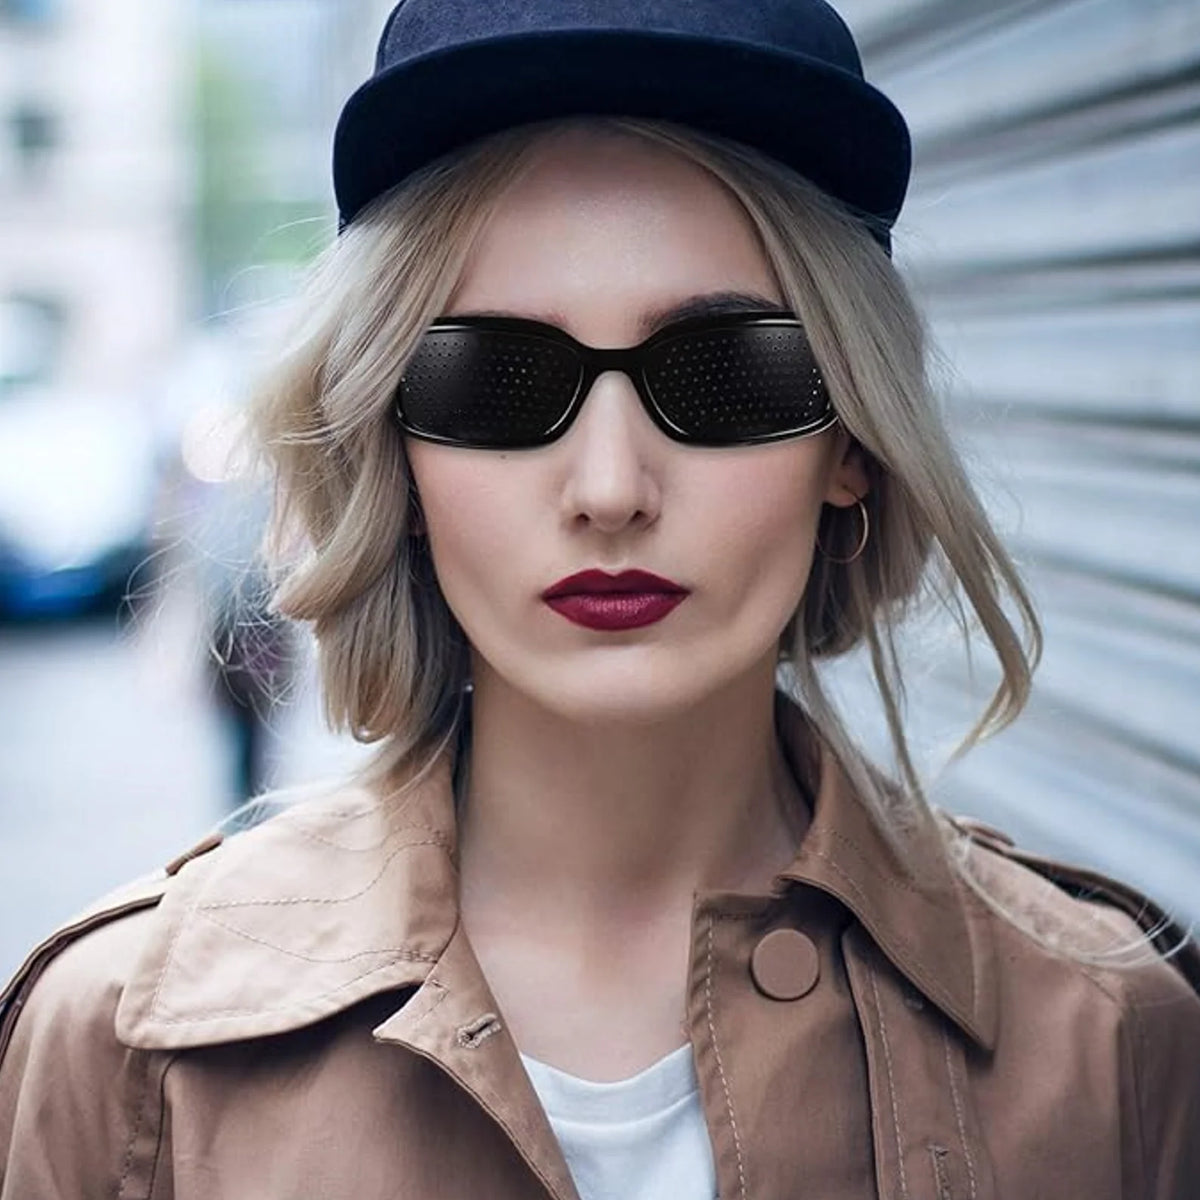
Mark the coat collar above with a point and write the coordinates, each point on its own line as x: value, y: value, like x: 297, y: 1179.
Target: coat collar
x: 321, y: 906
x: 907, y: 894
x: 343, y: 898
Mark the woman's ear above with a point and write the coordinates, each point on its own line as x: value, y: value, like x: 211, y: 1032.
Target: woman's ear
x: 849, y: 480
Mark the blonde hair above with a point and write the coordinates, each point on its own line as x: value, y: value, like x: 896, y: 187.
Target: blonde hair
x: 394, y: 661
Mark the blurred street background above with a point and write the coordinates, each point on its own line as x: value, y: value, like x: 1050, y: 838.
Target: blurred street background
x: 164, y: 176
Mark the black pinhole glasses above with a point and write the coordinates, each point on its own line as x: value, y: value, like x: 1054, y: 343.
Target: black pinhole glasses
x: 509, y: 383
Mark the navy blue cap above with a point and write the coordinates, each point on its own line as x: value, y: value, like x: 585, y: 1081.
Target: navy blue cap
x: 782, y: 76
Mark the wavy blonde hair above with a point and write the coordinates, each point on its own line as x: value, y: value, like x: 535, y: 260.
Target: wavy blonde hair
x: 395, y: 662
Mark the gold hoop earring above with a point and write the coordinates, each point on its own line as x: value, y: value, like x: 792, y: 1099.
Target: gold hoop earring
x: 862, y: 541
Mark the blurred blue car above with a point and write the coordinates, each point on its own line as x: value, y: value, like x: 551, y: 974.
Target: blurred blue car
x: 78, y: 487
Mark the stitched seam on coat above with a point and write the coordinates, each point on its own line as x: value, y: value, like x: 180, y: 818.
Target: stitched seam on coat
x: 905, y: 956
x: 401, y: 952
x: 162, y: 1106
x: 958, y: 1116
x: 937, y: 1158
x: 217, y: 1014
x: 127, y: 1162
x: 440, y: 837
x: 887, y: 1062
x: 168, y: 959
x: 712, y: 1033
x: 288, y: 900
x: 756, y: 915
x: 442, y: 994
x: 369, y: 806
x: 867, y: 862
x: 309, y: 835
x: 174, y: 942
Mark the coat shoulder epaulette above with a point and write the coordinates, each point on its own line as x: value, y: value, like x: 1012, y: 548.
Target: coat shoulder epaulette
x: 1170, y: 938
x: 130, y: 898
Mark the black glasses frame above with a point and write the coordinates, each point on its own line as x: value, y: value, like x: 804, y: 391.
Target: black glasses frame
x: 593, y: 362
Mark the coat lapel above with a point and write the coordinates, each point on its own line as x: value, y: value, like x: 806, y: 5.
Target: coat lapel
x: 298, y: 918
x: 454, y: 1021
x: 925, y: 1128
x: 912, y: 904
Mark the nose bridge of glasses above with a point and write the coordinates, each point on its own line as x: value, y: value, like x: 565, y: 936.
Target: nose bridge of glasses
x: 599, y: 362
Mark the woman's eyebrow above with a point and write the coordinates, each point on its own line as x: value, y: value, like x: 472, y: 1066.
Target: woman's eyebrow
x: 711, y: 304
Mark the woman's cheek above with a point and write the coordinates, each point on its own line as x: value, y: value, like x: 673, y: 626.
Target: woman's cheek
x: 768, y: 541
x: 766, y: 514
x: 470, y: 523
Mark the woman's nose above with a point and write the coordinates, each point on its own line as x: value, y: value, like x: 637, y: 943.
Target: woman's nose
x: 613, y: 453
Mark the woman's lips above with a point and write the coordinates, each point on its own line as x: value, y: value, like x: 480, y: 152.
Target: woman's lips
x: 595, y: 581
x: 626, y: 600
x: 616, y: 610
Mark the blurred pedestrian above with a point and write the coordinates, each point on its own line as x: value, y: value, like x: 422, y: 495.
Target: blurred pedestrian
x: 605, y: 421
x: 249, y: 650
x: 249, y: 656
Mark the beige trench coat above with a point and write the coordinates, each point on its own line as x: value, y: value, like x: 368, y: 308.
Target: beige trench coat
x: 296, y: 1014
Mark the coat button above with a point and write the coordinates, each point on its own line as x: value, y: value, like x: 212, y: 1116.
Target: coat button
x: 784, y: 965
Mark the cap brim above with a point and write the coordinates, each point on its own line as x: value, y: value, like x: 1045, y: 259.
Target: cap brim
x: 827, y: 124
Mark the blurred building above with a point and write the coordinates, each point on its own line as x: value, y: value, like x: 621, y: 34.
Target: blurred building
x: 1054, y: 231
x: 94, y: 191
x: 272, y: 76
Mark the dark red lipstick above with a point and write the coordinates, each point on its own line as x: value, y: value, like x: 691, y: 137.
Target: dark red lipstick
x: 628, y: 600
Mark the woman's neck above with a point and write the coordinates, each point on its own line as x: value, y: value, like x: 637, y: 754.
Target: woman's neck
x: 597, y: 826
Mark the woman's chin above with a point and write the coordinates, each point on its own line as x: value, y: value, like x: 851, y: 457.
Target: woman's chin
x: 625, y: 695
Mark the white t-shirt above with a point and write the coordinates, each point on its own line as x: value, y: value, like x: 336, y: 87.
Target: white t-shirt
x: 637, y: 1139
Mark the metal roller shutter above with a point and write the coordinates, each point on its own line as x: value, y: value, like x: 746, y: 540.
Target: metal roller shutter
x: 1053, y: 231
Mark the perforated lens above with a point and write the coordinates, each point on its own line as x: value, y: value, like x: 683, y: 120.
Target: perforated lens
x: 500, y: 383
x: 738, y: 383
x: 488, y: 388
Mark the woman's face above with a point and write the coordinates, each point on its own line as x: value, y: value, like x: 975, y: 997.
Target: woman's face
x: 603, y: 232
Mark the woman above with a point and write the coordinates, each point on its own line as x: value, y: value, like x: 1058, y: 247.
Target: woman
x: 590, y: 426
